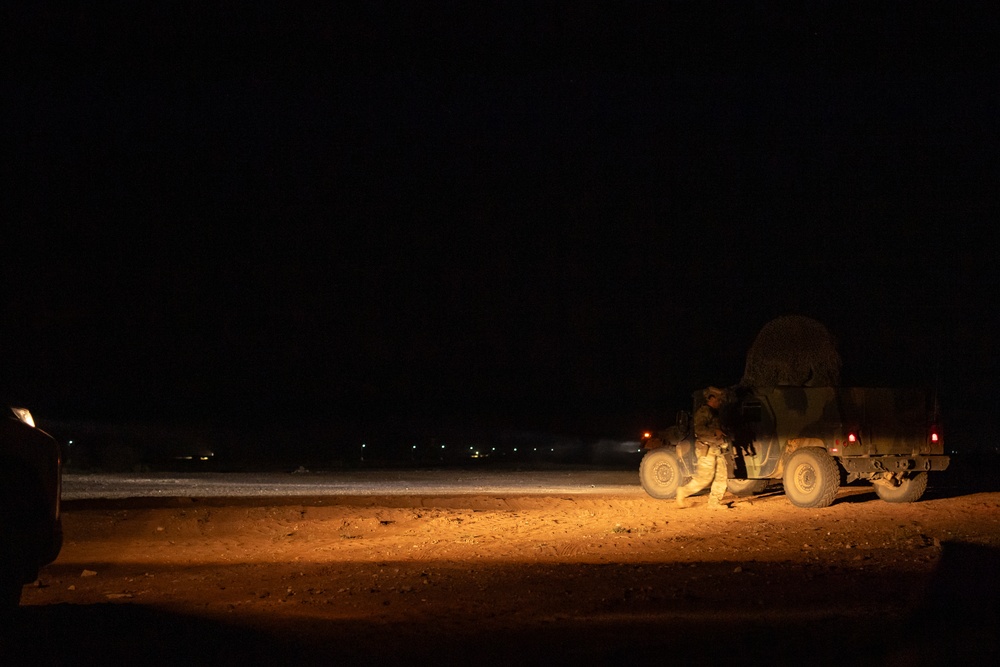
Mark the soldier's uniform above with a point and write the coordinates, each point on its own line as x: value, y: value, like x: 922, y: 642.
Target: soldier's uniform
x: 710, y: 447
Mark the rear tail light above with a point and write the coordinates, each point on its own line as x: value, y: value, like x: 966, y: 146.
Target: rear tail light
x: 852, y: 437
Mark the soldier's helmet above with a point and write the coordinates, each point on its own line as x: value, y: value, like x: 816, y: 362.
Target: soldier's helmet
x: 714, y: 391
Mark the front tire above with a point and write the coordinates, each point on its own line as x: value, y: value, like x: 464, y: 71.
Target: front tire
x: 660, y: 473
x: 11, y: 564
x: 811, y: 478
x: 909, y: 490
x: 742, y: 488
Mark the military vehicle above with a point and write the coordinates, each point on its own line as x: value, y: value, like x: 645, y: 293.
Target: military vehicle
x: 811, y: 439
x: 30, y: 488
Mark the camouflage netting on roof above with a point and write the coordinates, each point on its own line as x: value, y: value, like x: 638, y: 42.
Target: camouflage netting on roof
x: 793, y: 350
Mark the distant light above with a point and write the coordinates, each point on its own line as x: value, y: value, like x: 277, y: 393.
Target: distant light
x: 414, y: 446
x: 646, y: 434
x: 852, y: 438
x: 934, y: 436
x: 442, y: 446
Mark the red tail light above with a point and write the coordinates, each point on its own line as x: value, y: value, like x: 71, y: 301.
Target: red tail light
x: 852, y: 437
x: 934, y: 435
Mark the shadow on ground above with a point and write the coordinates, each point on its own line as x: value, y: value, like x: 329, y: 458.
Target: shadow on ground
x: 124, y: 634
x: 955, y: 615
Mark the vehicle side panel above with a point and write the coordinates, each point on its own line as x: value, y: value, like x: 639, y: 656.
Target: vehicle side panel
x: 889, y: 422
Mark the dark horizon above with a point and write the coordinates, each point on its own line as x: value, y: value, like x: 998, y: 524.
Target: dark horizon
x: 542, y: 217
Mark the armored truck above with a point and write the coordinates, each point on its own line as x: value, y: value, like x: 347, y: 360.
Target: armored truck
x: 811, y: 440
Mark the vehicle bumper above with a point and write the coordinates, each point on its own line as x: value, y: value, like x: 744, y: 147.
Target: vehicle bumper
x: 865, y: 464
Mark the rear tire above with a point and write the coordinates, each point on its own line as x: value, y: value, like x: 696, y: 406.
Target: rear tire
x: 908, y: 491
x: 741, y: 488
x: 811, y: 478
x: 660, y: 473
x: 10, y: 594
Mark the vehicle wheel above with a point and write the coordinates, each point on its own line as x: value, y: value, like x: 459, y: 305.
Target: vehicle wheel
x: 909, y: 490
x: 811, y: 478
x: 741, y: 488
x: 10, y: 593
x: 660, y: 473
x: 11, y: 567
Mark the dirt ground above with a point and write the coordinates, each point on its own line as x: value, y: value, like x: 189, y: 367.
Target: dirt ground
x: 518, y: 580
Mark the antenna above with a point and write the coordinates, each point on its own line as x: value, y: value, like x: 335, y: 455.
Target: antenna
x: 937, y: 384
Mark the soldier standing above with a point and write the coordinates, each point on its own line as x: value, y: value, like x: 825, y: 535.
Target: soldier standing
x: 710, y: 444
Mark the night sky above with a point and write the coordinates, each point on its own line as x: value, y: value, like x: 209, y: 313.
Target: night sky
x: 555, y: 216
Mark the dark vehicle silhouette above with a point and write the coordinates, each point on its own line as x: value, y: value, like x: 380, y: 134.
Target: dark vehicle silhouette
x: 30, y: 487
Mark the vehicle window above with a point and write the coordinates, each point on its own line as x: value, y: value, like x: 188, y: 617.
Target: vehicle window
x: 751, y: 412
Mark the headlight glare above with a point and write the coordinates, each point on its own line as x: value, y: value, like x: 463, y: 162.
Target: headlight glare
x: 24, y: 415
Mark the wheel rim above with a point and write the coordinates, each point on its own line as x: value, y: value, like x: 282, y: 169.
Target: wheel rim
x: 805, y: 478
x: 664, y: 473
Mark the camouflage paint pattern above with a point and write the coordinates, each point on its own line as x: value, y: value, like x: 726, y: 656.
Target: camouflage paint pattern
x: 711, y: 468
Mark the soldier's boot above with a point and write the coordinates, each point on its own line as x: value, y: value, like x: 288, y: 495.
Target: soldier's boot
x: 681, y: 499
x: 714, y: 504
